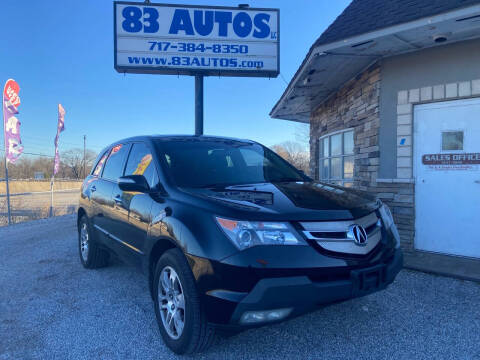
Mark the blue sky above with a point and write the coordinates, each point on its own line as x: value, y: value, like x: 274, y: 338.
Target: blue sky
x: 62, y: 51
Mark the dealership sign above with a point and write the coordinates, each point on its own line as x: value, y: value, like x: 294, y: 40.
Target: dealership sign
x: 451, y: 159
x: 461, y: 161
x: 187, y: 40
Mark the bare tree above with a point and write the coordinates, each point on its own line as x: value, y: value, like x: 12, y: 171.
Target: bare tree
x: 294, y: 153
x: 26, y: 166
x: 302, y: 135
x: 71, y: 165
x: 73, y: 162
x: 22, y: 169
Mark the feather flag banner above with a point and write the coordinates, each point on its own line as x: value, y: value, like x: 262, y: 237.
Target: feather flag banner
x: 60, y: 128
x: 11, y: 124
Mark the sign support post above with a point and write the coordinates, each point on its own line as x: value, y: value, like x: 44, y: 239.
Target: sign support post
x: 8, y: 194
x: 198, y: 105
x: 196, y: 41
x: 51, y: 196
x: 9, y: 214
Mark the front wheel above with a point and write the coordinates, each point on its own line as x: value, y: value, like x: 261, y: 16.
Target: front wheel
x: 182, y: 322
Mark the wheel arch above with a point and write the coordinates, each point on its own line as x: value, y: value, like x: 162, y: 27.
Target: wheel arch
x: 81, y: 212
x: 159, y: 248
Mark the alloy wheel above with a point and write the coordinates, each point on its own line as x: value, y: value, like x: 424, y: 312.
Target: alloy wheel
x: 84, y: 238
x: 171, y: 302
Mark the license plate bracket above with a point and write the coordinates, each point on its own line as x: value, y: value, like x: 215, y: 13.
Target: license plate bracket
x: 368, y: 280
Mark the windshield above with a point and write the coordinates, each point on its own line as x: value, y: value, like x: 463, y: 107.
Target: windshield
x: 193, y: 163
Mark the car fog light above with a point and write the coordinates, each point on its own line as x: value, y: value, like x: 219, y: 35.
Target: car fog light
x: 255, y: 317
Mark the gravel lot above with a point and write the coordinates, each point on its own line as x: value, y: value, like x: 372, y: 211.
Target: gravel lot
x: 50, y: 307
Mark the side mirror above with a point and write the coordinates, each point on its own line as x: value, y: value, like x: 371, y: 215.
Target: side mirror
x: 136, y: 183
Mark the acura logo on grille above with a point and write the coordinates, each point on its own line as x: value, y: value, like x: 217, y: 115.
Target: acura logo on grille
x: 358, y: 234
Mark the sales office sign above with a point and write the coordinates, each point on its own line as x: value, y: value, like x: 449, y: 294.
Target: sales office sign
x: 187, y: 40
x: 460, y: 161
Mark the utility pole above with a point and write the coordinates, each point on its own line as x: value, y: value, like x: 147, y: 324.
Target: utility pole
x: 84, y: 155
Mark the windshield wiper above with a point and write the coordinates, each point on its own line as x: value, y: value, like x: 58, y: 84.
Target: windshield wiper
x: 288, y: 180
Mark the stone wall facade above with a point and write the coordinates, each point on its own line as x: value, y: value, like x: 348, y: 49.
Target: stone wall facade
x: 356, y: 106
x: 400, y: 197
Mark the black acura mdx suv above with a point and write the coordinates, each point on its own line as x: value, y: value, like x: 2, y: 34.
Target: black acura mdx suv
x: 229, y: 234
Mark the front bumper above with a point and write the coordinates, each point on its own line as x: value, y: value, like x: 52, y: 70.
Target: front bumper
x: 301, y: 293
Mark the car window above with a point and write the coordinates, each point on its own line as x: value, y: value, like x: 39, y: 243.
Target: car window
x: 114, y: 165
x: 211, y: 163
x: 254, y: 158
x: 140, y: 162
x: 99, y: 166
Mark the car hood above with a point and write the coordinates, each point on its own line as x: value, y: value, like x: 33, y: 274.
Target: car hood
x: 292, y: 200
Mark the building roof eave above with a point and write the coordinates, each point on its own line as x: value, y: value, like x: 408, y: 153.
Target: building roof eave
x: 328, y: 66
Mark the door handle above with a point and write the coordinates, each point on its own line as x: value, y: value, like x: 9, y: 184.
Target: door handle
x: 93, y: 188
x: 118, y: 199
x: 477, y: 181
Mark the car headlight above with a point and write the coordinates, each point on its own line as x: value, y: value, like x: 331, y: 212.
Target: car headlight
x: 388, y: 222
x: 245, y: 234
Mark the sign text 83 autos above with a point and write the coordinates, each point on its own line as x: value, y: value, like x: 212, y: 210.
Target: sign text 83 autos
x: 242, y: 24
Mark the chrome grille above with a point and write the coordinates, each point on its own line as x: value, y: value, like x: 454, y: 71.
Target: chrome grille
x: 333, y: 235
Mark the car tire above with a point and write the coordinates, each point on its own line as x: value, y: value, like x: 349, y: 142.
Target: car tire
x: 196, y: 334
x: 91, y: 255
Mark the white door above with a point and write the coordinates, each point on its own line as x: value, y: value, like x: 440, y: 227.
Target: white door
x: 447, y: 177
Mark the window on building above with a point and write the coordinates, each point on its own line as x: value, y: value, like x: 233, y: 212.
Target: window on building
x: 336, y: 158
x: 452, y: 140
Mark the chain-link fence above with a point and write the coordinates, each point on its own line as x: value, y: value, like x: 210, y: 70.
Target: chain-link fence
x: 31, y: 199
x: 29, y: 179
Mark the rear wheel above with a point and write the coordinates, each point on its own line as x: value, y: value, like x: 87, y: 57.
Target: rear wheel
x: 182, y: 322
x: 91, y: 255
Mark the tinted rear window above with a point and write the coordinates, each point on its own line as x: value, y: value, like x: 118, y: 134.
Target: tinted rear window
x: 99, y: 166
x: 114, y: 165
